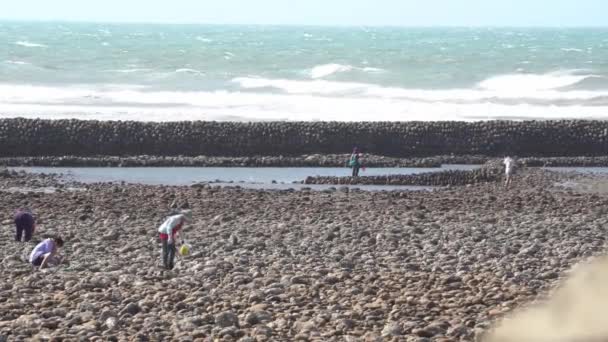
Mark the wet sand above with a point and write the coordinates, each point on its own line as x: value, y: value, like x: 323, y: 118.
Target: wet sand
x: 294, y: 265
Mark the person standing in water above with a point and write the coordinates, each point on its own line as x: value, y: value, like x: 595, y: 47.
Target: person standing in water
x: 509, y: 165
x: 25, y: 225
x: 169, y: 230
x: 354, y: 162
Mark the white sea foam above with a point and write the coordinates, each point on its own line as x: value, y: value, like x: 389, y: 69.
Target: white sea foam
x: 130, y: 71
x: 322, y: 39
x: 117, y: 102
x: 16, y: 62
x: 29, y: 44
x: 314, y: 87
x: 306, y: 109
x: 533, y: 82
x: 203, y: 39
x: 372, y: 70
x: 188, y: 71
x: 325, y: 70
x: 571, y: 50
x: 506, y: 89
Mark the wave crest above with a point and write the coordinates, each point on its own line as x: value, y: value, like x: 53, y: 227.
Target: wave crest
x: 325, y: 70
x: 188, y: 71
x: 29, y: 44
x: 514, y: 93
x: 16, y: 62
x: 533, y: 82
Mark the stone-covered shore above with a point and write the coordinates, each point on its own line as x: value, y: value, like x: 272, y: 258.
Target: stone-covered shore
x: 442, y: 178
x: 293, y: 265
x: 313, y: 160
x: 24, y: 137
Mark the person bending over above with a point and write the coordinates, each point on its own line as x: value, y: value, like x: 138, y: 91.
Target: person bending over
x: 25, y: 225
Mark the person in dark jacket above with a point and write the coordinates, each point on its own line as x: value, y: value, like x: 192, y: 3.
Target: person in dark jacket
x: 354, y: 162
x: 25, y: 225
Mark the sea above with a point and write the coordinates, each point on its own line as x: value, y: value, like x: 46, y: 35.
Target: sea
x: 154, y: 72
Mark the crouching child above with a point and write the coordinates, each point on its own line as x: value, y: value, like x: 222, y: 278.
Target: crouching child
x: 46, y: 253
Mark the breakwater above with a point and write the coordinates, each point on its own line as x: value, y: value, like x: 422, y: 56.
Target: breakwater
x: 443, y: 178
x: 492, y: 171
x: 25, y: 137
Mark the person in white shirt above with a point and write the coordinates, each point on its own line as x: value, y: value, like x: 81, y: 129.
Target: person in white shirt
x: 509, y: 165
x: 169, y: 230
x: 46, y: 253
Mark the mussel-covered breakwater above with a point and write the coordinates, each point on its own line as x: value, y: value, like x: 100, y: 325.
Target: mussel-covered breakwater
x: 25, y: 137
x: 490, y: 172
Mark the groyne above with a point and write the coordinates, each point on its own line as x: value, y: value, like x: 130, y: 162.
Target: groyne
x: 26, y: 137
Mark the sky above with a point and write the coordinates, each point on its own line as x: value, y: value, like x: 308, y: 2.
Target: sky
x: 318, y: 12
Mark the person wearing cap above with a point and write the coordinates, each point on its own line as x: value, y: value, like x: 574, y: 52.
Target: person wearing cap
x: 25, y: 224
x: 169, y: 230
x: 354, y: 162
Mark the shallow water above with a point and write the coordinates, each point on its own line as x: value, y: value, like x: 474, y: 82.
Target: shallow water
x: 242, y: 176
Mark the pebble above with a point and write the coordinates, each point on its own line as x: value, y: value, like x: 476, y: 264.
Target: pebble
x: 227, y: 319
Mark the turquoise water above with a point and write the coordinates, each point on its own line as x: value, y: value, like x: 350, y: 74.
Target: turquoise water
x: 179, y: 72
x: 190, y: 175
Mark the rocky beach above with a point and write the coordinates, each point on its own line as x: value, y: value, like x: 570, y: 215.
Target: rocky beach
x: 269, y: 265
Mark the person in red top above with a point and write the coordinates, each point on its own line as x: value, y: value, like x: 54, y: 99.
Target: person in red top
x: 169, y: 230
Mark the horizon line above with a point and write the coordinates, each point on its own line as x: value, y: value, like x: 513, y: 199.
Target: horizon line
x: 110, y: 22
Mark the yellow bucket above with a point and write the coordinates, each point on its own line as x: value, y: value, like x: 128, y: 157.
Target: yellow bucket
x: 184, y: 250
